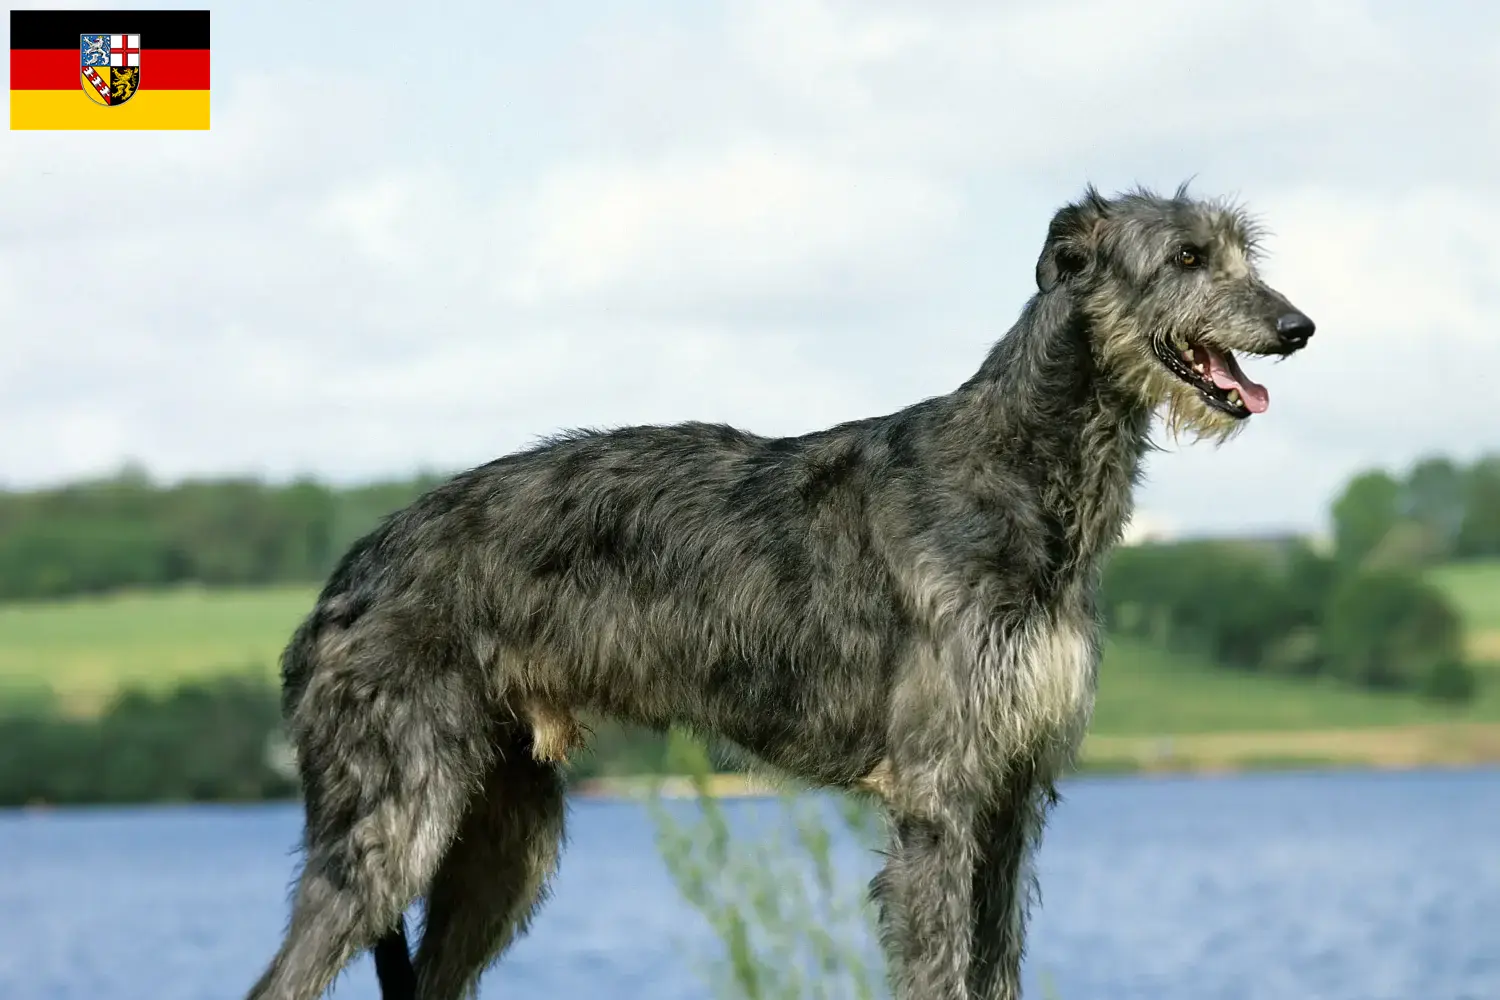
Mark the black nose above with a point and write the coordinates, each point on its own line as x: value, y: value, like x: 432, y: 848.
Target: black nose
x: 1295, y: 328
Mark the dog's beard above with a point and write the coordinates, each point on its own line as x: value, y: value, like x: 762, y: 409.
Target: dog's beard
x: 1185, y: 413
x: 1126, y: 351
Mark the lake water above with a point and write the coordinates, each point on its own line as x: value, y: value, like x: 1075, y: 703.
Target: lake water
x: 1284, y: 887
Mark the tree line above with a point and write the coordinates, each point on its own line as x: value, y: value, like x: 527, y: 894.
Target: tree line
x: 1440, y: 510
x: 1360, y: 612
x: 125, y: 531
x: 214, y: 739
x: 1290, y: 610
x: 206, y: 741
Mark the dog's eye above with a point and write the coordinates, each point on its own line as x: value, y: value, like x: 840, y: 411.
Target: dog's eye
x: 1189, y: 258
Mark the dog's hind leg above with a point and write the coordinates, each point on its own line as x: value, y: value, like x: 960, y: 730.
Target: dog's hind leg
x: 385, y: 782
x: 494, y: 875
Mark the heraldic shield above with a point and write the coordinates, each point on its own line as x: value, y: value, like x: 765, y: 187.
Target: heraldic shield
x: 111, y: 67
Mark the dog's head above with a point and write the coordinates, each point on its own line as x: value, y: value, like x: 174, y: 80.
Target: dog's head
x: 1172, y: 294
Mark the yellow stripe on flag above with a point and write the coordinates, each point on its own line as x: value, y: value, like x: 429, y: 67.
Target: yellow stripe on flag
x: 72, y: 109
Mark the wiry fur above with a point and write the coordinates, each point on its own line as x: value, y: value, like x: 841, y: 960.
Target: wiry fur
x: 903, y: 604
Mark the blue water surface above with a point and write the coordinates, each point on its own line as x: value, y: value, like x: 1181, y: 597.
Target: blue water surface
x: 1335, y: 886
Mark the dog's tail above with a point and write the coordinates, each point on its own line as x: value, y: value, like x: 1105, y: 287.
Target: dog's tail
x: 393, y: 968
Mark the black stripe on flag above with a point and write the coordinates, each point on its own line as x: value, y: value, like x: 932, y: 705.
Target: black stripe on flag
x: 59, y: 29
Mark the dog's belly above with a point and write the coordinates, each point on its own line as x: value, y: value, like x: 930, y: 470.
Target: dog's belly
x: 821, y: 751
x: 823, y: 719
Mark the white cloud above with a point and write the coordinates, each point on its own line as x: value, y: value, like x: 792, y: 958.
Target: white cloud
x: 751, y: 221
x: 1040, y: 87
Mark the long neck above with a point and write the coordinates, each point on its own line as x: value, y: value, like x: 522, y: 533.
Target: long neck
x: 1042, y: 412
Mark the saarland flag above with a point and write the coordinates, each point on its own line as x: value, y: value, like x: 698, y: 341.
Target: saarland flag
x: 108, y: 69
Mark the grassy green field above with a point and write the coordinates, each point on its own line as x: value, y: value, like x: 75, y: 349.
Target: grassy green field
x: 1143, y: 691
x: 86, y: 649
x: 1474, y: 589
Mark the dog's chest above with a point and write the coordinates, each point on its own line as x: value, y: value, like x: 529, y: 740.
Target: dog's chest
x: 1056, y: 662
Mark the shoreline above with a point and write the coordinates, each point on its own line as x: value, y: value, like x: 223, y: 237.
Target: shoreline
x: 1453, y: 746
x: 1425, y: 747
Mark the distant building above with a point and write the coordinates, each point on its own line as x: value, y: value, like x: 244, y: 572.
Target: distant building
x: 1144, y: 527
x: 1277, y: 545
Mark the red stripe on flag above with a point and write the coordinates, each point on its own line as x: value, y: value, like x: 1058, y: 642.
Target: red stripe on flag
x: 59, y: 69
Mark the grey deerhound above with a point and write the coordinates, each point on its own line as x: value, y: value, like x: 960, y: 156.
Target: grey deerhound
x: 902, y: 604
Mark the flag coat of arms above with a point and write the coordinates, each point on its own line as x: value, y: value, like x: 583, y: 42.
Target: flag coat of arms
x: 121, y: 69
x: 111, y: 67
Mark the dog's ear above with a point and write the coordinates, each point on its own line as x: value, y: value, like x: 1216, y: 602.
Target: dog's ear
x: 1072, y: 240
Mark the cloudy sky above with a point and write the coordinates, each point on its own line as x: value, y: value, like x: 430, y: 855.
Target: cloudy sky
x: 413, y: 240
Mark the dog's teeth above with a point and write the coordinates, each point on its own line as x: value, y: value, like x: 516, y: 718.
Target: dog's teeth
x: 1234, y: 396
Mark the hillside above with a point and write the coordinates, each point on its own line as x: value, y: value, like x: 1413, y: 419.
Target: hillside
x: 84, y: 649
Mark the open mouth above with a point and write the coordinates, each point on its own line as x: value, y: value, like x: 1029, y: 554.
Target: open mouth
x: 1216, y: 375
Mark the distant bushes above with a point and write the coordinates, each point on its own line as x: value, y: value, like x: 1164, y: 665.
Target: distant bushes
x: 209, y: 740
x: 125, y: 531
x: 1361, y: 613
x: 1389, y: 629
x: 1284, y: 608
x: 1436, y: 512
x: 1220, y: 599
x: 617, y: 750
x: 217, y: 739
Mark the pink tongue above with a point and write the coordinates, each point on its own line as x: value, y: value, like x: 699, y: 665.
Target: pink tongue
x: 1225, y: 373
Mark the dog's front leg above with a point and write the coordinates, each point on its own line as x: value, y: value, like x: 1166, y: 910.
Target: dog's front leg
x: 925, y: 893
x: 932, y: 782
x: 1009, y: 828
